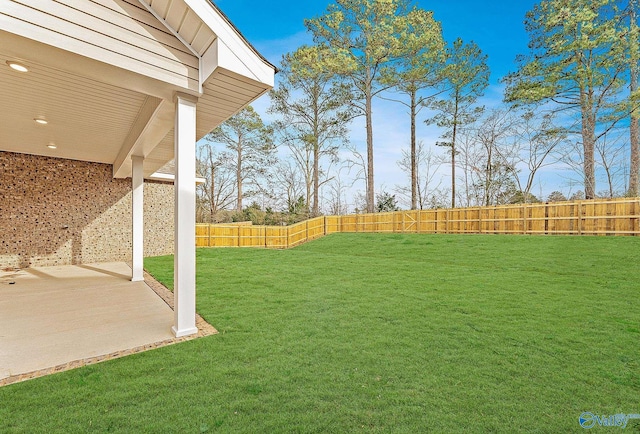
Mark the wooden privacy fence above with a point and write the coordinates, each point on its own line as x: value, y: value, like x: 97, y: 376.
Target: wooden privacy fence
x: 586, y: 217
x: 274, y: 237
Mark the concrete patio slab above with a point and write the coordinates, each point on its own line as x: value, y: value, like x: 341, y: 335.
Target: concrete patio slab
x: 50, y: 316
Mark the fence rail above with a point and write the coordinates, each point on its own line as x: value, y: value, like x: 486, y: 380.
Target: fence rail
x: 586, y: 217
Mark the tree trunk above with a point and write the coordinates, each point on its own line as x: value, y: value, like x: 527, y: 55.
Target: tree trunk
x: 212, y: 194
x: 315, y: 210
x: 634, y: 128
x: 309, y: 192
x: 634, y: 166
x: 453, y: 155
x: 588, y: 144
x: 370, y: 185
x: 488, y: 176
x: 414, y: 168
x: 465, y: 173
x: 239, y: 178
x: 316, y: 178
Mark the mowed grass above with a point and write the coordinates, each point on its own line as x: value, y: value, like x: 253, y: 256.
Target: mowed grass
x: 376, y: 333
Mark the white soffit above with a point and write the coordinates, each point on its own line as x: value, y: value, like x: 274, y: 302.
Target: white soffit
x: 87, y: 120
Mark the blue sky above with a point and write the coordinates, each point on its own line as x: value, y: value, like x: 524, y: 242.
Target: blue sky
x: 495, y: 25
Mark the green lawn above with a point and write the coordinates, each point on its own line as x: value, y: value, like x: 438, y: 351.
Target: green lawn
x: 376, y: 333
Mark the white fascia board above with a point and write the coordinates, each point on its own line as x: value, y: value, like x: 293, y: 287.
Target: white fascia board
x: 167, y: 177
x: 229, y: 60
x: 159, y: 176
x: 220, y: 55
x: 232, y: 51
x: 209, y: 61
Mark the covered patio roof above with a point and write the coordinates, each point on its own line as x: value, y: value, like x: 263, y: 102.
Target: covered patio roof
x: 103, y: 75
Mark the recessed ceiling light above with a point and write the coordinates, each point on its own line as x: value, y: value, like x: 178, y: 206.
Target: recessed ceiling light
x: 17, y: 66
x: 41, y: 121
x: 52, y: 146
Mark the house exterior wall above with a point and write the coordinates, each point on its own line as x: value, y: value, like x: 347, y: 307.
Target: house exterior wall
x: 117, y: 32
x: 56, y: 212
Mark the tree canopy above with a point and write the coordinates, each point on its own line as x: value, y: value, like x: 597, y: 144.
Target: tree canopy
x: 572, y: 65
x: 314, y: 110
x: 366, y: 37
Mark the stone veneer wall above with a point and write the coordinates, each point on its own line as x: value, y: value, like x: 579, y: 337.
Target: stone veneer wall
x: 55, y: 212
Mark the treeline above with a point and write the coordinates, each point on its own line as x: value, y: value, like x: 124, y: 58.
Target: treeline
x: 571, y: 105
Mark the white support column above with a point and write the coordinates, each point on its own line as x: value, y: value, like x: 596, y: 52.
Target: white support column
x: 184, y: 280
x: 137, y: 216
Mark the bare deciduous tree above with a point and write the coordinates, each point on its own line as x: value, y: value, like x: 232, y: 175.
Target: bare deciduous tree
x: 218, y: 190
x: 424, y: 175
x: 611, y: 153
x: 536, y: 137
x: 335, y: 194
x: 250, y: 142
x: 286, y: 184
x: 499, y: 155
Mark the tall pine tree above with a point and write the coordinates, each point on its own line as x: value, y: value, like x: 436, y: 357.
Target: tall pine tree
x: 570, y: 66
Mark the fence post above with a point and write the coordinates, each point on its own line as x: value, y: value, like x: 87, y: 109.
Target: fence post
x: 447, y: 217
x: 579, y: 217
x: 610, y: 227
x: 464, y: 224
x: 209, y: 235
x: 546, y: 218
x: 435, y: 221
x: 524, y: 219
x: 634, y: 222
